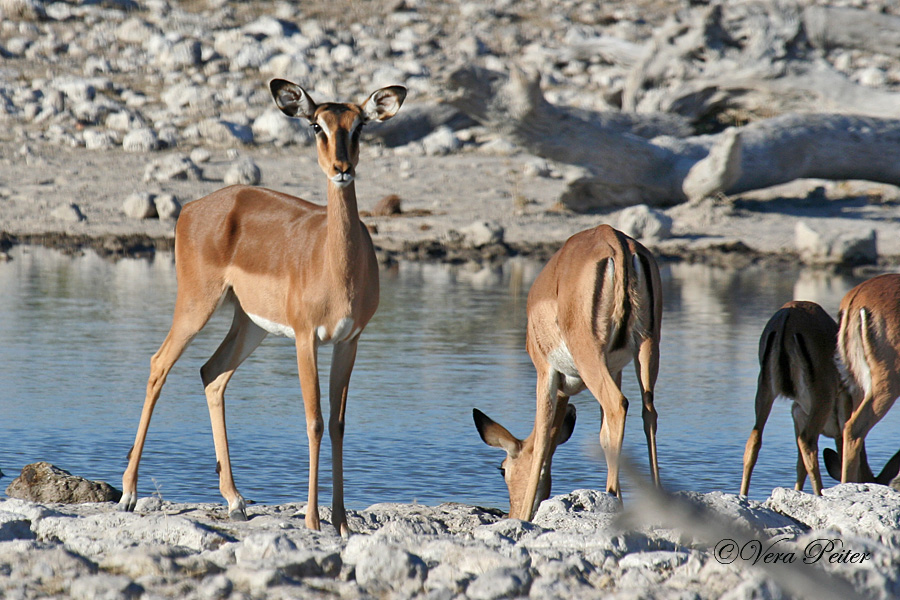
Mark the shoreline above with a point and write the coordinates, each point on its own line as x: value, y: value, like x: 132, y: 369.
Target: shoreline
x: 843, y: 544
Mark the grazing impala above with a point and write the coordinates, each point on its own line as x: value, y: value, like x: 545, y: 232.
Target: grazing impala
x: 796, y: 360
x: 869, y: 349
x: 596, y: 305
x: 288, y: 267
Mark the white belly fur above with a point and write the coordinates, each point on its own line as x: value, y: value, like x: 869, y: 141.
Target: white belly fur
x: 272, y: 326
x: 570, y: 382
x: 342, y: 331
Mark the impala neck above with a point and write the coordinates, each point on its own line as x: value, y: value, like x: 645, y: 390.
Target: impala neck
x: 343, y: 223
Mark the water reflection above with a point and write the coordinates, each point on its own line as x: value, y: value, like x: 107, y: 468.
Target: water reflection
x: 76, y: 335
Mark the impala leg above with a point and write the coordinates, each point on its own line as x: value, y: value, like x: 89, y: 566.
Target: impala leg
x: 764, y: 399
x: 547, y: 386
x: 873, y: 407
x: 185, y: 325
x: 808, y: 443
x: 614, y: 406
x: 646, y: 364
x: 309, y: 386
x: 242, y: 339
x: 342, y: 361
x: 612, y: 434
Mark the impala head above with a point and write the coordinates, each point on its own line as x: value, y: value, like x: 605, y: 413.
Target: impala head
x: 890, y: 471
x: 517, y: 464
x: 337, y: 125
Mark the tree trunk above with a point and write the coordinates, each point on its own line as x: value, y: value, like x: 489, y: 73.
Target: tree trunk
x: 622, y: 169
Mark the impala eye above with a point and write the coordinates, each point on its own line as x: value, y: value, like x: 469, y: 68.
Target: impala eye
x: 315, y: 127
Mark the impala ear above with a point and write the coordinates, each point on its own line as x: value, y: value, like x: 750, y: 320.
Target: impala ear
x: 890, y: 470
x: 495, y: 434
x: 568, y: 426
x: 292, y: 99
x: 384, y: 103
x: 832, y: 463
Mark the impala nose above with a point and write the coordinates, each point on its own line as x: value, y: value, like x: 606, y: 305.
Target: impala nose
x: 343, y: 173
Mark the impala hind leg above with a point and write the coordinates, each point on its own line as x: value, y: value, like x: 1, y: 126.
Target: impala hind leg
x: 808, y: 441
x: 614, y: 406
x: 308, y: 370
x: 646, y: 364
x: 240, y: 341
x: 764, y: 399
x: 342, y: 360
x: 187, y: 321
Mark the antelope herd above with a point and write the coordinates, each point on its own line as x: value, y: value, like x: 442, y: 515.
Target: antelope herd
x: 309, y: 272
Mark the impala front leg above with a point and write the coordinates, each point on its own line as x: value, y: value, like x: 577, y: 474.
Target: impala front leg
x: 547, y: 388
x: 309, y: 387
x: 342, y: 361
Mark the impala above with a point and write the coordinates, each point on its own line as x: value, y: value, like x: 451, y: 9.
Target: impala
x: 868, y: 345
x: 595, y: 305
x: 287, y: 267
x: 796, y: 361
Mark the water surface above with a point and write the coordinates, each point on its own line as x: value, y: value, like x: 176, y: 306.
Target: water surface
x: 76, y: 336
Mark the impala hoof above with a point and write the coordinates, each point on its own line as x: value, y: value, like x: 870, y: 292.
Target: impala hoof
x: 127, y: 502
x: 237, y: 510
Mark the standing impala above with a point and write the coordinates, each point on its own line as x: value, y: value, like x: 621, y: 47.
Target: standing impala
x: 288, y: 267
x: 869, y: 349
x: 796, y: 360
x: 596, y: 305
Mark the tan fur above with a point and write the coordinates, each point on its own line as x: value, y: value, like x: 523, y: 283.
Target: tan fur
x: 579, y: 309
x: 869, y: 348
x: 287, y: 265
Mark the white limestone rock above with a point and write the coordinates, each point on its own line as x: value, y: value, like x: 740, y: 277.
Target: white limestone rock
x: 70, y: 212
x: 243, y: 171
x: 382, y: 566
x: 644, y: 223
x: 14, y: 527
x: 823, y: 247
x: 139, y: 205
x: 172, y: 167
x: 167, y: 206
x: 861, y: 509
x: 482, y: 233
x: 141, y: 140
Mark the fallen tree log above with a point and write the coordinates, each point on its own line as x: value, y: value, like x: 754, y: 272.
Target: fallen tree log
x: 760, y: 59
x: 621, y: 169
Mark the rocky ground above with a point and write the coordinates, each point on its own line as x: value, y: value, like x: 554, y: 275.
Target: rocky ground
x: 114, y: 113
x: 845, y: 544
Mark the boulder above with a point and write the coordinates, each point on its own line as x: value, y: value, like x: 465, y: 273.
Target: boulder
x: 863, y: 509
x: 167, y: 206
x: 482, y: 233
x: 644, y: 223
x: 139, y: 205
x: 43, y: 482
x: 383, y: 566
x: 389, y: 205
x: 243, y: 171
x: 141, y: 140
x: 846, y: 248
x: 174, y: 166
x: 68, y: 212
